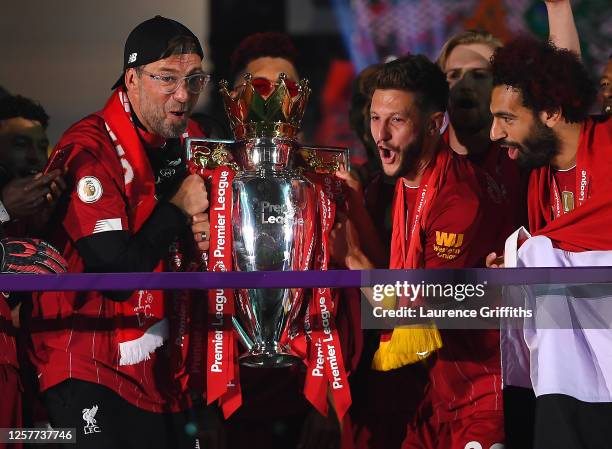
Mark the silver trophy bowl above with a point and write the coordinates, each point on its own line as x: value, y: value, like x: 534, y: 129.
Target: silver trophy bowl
x: 273, y: 222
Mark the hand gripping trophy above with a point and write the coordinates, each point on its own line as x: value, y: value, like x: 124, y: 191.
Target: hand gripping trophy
x: 272, y: 207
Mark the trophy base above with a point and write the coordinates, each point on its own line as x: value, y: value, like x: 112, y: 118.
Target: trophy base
x: 268, y: 358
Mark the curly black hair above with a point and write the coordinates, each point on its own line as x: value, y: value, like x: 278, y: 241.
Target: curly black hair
x: 17, y: 106
x: 417, y: 74
x: 548, y: 77
x: 259, y: 45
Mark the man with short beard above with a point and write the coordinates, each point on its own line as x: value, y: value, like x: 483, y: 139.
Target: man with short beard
x: 465, y: 59
x: 437, y: 221
x: 540, y: 117
x: 378, y: 422
x: 540, y: 104
x: 112, y: 364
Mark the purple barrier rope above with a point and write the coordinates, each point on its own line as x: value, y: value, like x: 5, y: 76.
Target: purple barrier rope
x: 303, y: 279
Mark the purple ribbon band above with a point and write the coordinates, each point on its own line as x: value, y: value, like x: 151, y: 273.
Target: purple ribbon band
x: 303, y: 279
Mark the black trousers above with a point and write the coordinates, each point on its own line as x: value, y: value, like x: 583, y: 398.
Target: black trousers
x: 104, y: 420
x: 563, y: 422
x: 519, y: 417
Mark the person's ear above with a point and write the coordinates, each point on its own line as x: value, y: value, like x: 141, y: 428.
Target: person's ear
x: 436, y: 120
x: 551, y: 118
x: 131, y: 79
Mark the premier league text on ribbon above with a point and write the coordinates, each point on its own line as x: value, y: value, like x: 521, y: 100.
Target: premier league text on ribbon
x: 219, y: 252
x: 332, y: 357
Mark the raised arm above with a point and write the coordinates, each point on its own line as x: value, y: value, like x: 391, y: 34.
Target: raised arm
x: 562, y: 28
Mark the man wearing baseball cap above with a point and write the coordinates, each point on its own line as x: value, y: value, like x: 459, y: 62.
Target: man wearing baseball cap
x: 112, y: 364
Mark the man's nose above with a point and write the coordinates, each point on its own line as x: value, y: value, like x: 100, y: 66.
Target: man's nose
x: 383, y: 133
x: 182, y: 92
x: 497, y: 131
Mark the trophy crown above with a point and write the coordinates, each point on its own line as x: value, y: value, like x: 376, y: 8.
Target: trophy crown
x: 251, y: 115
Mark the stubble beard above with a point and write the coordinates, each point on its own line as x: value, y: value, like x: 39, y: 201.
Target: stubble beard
x: 411, y: 156
x: 155, y: 117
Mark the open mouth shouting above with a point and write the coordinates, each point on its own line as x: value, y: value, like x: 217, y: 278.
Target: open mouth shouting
x: 387, y: 156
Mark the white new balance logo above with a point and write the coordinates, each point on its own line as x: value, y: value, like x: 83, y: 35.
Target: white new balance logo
x: 110, y: 224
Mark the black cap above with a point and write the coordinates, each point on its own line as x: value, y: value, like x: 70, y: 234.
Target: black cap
x: 149, y: 40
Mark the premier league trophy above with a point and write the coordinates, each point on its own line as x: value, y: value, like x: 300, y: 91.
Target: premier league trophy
x: 274, y: 207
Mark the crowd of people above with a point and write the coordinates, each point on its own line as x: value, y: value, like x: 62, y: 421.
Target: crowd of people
x: 462, y: 152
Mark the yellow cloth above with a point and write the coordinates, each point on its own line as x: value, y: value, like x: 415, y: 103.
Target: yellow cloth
x: 408, y: 344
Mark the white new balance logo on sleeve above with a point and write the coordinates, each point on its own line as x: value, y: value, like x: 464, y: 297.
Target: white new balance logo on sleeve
x: 110, y: 224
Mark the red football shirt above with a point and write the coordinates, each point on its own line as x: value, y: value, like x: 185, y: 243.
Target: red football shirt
x: 465, y: 374
x: 566, y: 184
x: 74, y: 334
x: 451, y: 234
x: 505, y: 186
x: 593, y: 167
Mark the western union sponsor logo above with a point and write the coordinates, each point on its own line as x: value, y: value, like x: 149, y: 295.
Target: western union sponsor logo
x: 449, y: 239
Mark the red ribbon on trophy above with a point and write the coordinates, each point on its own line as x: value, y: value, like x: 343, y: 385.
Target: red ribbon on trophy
x: 324, y: 360
x: 222, y: 374
x: 222, y: 379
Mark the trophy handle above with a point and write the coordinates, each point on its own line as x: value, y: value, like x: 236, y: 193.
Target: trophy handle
x: 324, y: 159
x: 244, y: 337
x: 190, y: 142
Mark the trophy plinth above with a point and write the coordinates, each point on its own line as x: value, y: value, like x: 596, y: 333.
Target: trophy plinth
x: 275, y: 356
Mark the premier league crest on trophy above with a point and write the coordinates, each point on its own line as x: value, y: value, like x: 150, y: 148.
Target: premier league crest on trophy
x: 265, y: 215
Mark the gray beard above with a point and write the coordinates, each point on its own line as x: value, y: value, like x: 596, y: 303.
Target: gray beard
x: 168, y: 131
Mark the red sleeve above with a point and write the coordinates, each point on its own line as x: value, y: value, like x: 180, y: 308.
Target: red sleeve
x: 452, y: 234
x: 96, y: 201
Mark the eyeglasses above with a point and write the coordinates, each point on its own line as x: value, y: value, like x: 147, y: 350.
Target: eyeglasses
x: 169, y: 84
x: 264, y: 87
